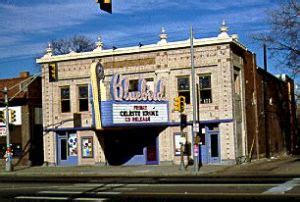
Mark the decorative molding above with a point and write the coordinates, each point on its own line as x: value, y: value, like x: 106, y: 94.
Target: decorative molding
x: 137, y: 49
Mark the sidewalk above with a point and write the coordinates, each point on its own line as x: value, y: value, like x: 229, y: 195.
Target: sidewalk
x: 284, y: 166
x: 112, y: 171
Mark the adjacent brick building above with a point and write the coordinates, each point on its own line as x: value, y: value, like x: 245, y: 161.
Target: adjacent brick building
x: 129, y: 119
x: 26, y: 133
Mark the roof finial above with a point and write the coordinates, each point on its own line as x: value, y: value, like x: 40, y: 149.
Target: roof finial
x: 49, y: 50
x: 99, y: 43
x: 163, y: 36
x: 223, y: 30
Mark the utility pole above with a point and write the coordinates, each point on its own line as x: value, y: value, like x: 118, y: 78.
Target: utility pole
x: 265, y: 103
x: 8, y: 165
x: 194, y: 102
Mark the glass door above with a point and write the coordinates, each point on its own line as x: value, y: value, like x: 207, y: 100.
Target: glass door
x: 67, y: 149
x: 213, y: 148
x: 151, y: 152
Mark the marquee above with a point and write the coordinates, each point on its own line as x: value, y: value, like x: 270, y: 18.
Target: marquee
x: 144, y: 107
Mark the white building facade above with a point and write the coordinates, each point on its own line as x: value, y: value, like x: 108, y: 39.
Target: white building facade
x: 136, y: 130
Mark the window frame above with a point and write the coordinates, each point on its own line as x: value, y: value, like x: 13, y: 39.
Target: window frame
x: 150, y: 79
x: 136, y: 85
x: 237, y: 80
x: 205, y: 89
x: 82, y: 147
x: 179, y: 91
x: 79, y: 98
x: 176, y: 143
x: 64, y: 99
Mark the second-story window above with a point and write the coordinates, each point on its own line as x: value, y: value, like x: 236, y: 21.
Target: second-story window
x: 83, y: 98
x: 237, y: 87
x: 65, y: 99
x: 133, y: 85
x: 150, y: 84
x: 205, y: 89
x: 183, y: 87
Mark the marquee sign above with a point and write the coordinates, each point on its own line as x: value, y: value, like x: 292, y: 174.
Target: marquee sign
x: 143, y: 107
x: 120, y: 90
x: 140, y: 113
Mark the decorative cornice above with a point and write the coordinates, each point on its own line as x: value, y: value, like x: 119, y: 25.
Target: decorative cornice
x: 138, y: 49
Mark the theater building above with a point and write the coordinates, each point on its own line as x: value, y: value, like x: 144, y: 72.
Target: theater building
x: 115, y: 106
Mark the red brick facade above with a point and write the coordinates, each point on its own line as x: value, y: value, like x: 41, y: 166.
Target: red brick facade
x: 26, y: 139
x: 271, y: 116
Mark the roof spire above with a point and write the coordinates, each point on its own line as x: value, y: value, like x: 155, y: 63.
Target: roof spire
x: 99, y: 44
x: 223, y: 30
x: 163, y: 36
x: 49, y: 50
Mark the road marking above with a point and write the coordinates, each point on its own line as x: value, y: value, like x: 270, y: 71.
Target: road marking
x: 58, y: 198
x: 115, y: 185
x: 83, y: 188
x: 60, y: 192
x: 40, y: 198
x: 282, y: 188
x: 201, y: 185
x: 78, y: 192
x: 109, y: 192
x: 89, y: 185
x: 125, y: 188
x: 89, y: 199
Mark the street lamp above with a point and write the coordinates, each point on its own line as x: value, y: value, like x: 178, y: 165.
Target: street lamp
x: 8, y: 154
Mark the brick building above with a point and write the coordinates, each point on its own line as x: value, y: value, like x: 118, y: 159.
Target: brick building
x: 26, y: 132
x: 115, y: 106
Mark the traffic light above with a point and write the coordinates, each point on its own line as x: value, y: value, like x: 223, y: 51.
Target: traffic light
x: 52, y: 72
x: 183, y: 120
x: 12, y: 115
x: 2, y: 118
x: 105, y: 5
x: 179, y: 104
x: 182, y: 103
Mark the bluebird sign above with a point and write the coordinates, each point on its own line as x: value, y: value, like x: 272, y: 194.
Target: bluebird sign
x: 144, y: 107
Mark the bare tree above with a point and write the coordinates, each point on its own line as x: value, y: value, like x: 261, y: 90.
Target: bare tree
x: 283, y: 38
x: 76, y: 43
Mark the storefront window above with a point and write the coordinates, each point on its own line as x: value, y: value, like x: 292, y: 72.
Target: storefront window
x: 65, y: 99
x: 183, y: 86
x: 87, y: 147
x: 205, y: 89
x: 2, y: 150
x: 72, y: 141
x: 177, y: 145
x: 83, y: 98
x: 15, y: 148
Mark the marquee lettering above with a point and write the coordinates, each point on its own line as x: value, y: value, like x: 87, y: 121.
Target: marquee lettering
x: 120, y: 90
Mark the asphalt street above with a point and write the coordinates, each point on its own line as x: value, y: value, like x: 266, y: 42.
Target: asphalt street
x: 264, y: 180
x: 113, y: 191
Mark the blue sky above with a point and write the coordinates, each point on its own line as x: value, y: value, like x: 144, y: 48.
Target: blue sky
x: 27, y: 26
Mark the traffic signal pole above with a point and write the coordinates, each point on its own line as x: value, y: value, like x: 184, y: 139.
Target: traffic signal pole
x: 8, y: 154
x: 194, y: 101
x: 181, y: 148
